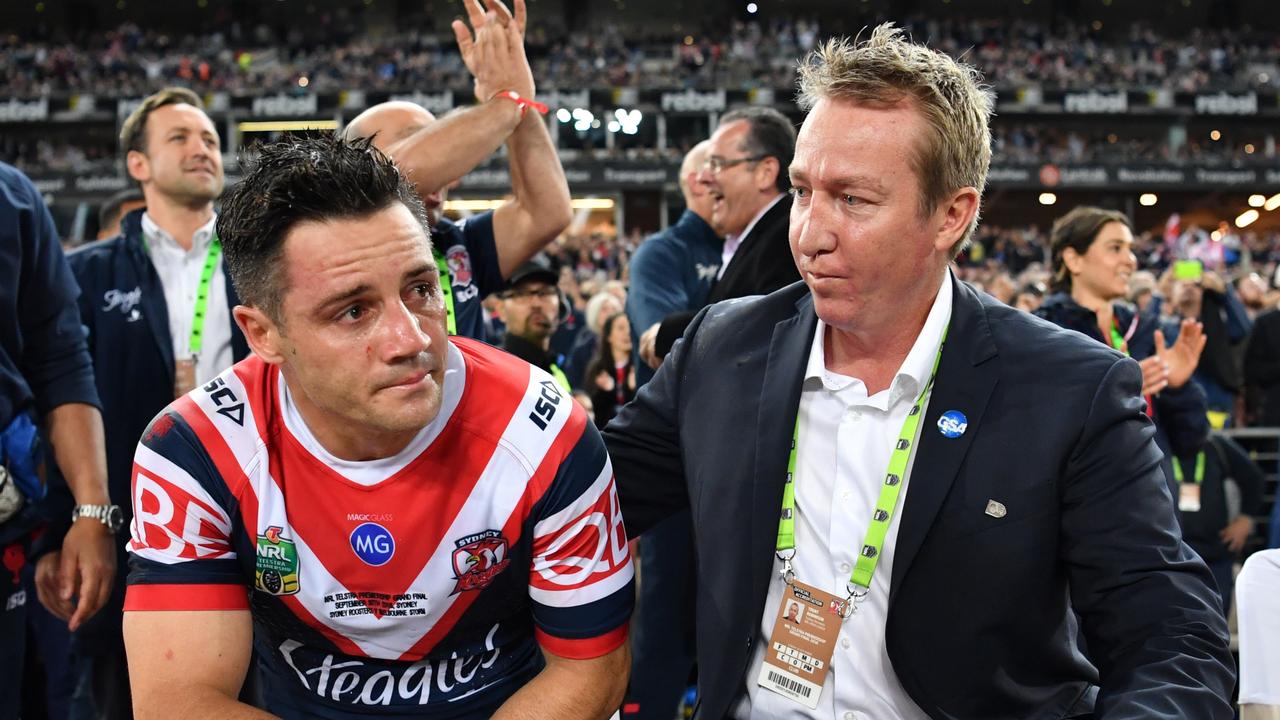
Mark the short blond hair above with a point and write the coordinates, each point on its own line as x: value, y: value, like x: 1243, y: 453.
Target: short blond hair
x: 886, y: 69
x: 133, y: 133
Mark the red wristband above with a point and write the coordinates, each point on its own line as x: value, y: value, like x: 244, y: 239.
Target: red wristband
x: 524, y: 103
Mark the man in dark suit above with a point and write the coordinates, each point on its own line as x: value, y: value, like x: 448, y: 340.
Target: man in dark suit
x: 745, y: 174
x: 966, y: 491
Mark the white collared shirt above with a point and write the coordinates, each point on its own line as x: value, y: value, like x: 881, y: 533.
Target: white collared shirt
x: 845, y: 442
x: 179, y: 272
x: 733, y: 242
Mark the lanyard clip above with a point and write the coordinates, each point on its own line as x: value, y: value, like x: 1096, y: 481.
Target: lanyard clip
x: 788, y: 572
x: 852, y: 601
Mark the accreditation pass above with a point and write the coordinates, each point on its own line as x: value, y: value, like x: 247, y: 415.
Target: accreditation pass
x: 804, y: 636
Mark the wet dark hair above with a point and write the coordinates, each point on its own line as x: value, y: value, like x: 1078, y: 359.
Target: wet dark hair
x: 1077, y: 230
x: 297, y: 180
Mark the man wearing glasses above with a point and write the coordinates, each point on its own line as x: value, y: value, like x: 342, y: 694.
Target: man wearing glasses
x: 531, y: 311
x: 745, y: 173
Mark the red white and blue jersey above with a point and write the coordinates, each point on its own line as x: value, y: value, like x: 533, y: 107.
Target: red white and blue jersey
x: 419, y: 585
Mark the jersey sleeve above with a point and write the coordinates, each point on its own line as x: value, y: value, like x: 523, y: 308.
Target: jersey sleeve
x: 482, y: 246
x: 181, y: 555
x: 580, y: 583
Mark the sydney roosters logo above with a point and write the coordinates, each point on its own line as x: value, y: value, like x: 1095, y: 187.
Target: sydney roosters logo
x: 478, y: 559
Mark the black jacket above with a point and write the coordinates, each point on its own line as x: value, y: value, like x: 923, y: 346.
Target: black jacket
x: 762, y: 264
x: 983, y: 611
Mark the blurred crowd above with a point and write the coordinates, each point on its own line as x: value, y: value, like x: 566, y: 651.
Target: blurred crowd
x: 131, y: 60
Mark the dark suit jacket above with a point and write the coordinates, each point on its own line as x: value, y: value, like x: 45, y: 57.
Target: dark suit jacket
x: 981, y: 622
x: 762, y: 264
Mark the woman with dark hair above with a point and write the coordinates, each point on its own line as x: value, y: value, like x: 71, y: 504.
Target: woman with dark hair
x: 1092, y: 260
x: 1092, y: 263
x: 610, y: 377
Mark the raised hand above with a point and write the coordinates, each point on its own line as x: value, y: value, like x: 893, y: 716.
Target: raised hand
x: 492, y: 48
x: 1184, y: 355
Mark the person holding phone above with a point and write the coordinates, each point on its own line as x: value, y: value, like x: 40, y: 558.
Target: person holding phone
x: 1092, y: 261
x: 1198, y: 294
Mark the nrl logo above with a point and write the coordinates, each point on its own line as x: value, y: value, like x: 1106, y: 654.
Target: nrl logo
x: 276, y: 568
x: 478, y: 559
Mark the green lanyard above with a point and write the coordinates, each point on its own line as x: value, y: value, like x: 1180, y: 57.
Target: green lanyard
x: 446, y: 289
x: 202, y: 295
x: 560, y: 377
x: 1117, y: 340
x: 196, y: 342
x: 1177, y: 469
x: 869, y: 557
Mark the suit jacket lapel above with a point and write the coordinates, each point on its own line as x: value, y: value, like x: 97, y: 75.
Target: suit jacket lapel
x: 155, y: 308
x: 966, y: 377
x: 779, y: 403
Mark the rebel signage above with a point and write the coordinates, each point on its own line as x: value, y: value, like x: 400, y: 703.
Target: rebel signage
x: 1096, y: 102
x: 1225, y: 103
x: 285, y: 105
x: 694, y: 101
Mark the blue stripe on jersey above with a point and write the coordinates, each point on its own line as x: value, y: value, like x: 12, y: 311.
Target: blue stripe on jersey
x: 577, y: 472
x: 205, y: 572
x: 173, y: 438
x: 571, y: 623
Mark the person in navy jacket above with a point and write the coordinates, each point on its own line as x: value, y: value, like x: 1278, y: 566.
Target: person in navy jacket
x: 157, y: 304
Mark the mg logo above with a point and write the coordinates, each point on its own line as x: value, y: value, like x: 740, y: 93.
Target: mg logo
x: 373, y: 544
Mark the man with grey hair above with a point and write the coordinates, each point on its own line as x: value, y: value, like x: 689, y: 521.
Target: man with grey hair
x: 962, y: 494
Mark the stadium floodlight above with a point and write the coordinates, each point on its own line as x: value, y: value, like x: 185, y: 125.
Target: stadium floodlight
x: 1257, y: 200
x: 1148, y: 199
x: 563, y: 115
x: 752, y: 8
x: 1048, y: 198
x: 1216, y: 236
x: 1215, y: 135
x: 583, y: 119
x: 626, y: 121
x: 1273, y: 202
x: 1246, y: 218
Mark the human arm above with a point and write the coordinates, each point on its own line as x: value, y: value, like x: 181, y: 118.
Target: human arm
x: 1181, y: 358
x: 570, y: 689
x: 187, y: 625
x: 1150, y: 618
x: 644, y: 444
x: 1249, y: 479
x: 435, y: 155
x: 87, y: 562
x: 189, y: 664
x: 540, y: 208
x: 56, y: 364
x: 581, y: 587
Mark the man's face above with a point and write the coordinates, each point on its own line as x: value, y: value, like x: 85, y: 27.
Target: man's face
x: 741, y: 187
x: 363, y: 332
x: 856, y: 232
x: 531, y: 310
x: 1105, y: 267
x: 183, y: 157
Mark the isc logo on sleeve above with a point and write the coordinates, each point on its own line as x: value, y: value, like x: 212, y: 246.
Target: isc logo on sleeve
x: 373, y: 544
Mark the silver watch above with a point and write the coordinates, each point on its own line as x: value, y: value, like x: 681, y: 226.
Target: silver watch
x: 109, y: 515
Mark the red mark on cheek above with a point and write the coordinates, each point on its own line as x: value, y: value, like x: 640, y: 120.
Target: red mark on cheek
x: 368, y: 351
x: 168, y: 654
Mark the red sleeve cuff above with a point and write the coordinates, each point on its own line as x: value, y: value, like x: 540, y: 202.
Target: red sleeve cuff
x: 584, y: 648
x: 186, y: 597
